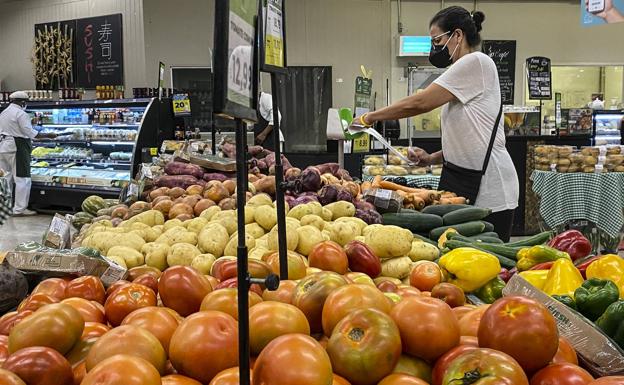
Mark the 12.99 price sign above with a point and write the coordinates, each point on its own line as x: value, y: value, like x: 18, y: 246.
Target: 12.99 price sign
x: 241, y: 37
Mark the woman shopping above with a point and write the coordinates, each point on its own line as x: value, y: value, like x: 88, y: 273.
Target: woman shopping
x: 476, y: 163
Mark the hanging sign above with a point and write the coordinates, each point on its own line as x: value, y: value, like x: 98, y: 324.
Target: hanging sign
x: 363, y: 92
x: 273, y: 34
x: 181, y: 105
x: 539, y: 78
x: 99, y: 51
x: 503, y: 52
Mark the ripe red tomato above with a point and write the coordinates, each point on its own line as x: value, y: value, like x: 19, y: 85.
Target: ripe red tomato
x: 127, y: 299
x: 282, y: 359
x: 36, y: 301
x: 178, y: 379
x: 4, y: 348
x: 80, y: 371
x: 206, y: 334
x: 9, y: 378
x: 284, y: 292
x: 401, y: 379
x: 386, y: 286
x: 420, y: 318
x: 11, y: 319
x: 329, y: 256
x: 155, y: 320
x: 469, y: 322
x: 40, y: 366
x: 565, y: 353
x: 123, y: 369
x: 149, y: 280
x: 229, y: 376
x: 114, y: 286
x: 182, y: 289
x: 561, y: 374
x: 425, y: 275
x: 449, y: 293
x: 269, y: 320
x: 310, y: 295
x: 340, y: 380
x: 87, y: 287
x: 484, y: 366
x: 233, y: 283
x: 442, y: 363
x: 610, y: 380
x: 522, y: 328
x: 365, y: 346
x: 131, y: 340
x: 54, y: 287
x: 57, y: 326
x: 91, y: 311
x: 414, y: 367
x: 469, y: 340
x: 408, y: 291
x: 348, y: 298
x: 94, y: 329
x: 461, y: 311
x: 296, y: 264
x: 225, y: 300
x: 138, y: 271
x: 79, y: 351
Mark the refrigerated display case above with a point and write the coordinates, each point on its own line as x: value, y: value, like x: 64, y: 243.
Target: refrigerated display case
x: 522, y: 120
x: 608, y: 126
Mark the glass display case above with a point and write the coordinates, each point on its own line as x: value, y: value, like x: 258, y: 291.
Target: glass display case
x: 522, y: 120
x: 608, y: 125
x: 576, y: 121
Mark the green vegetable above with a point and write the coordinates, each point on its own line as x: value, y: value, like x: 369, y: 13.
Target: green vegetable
x: 492, y: 290
x: 88, y: 251
x: 442, y: 210
x: 80, y: 219
x: 464, y: 215
x: 486, y: 239
x: 504, y: 250
x: 488, y: 226
x: 92, y: 204
x: 537, y: 239
x: 594, y: 297
x: 467, y: 229
x: 490, y: 234
x: 413, y: 222
x: 566, y: 300
x: 425, y: 239
x: 612, y: 322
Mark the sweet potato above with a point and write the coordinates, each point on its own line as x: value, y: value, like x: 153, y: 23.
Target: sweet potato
x: 179, y: 209
x: 265, y: 185
x: 191, y: 200
x: 158, y: 192
x: 164, y: 206
x: 215, y: 191
x: 215, y: 176
x: 179, y: 168
x: 230, y: 185
x: 160, y: 199
x: 182, y: 181
x: 194, y: 190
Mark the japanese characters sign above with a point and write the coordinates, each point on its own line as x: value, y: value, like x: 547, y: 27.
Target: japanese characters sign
x: 99, y: 51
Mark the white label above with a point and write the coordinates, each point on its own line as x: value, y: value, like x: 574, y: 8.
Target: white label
x: 596, y: 6
x: 383, y: 194
x: 241, y: 60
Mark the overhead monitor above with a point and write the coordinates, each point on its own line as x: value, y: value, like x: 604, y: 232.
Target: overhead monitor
x: 414, y: 45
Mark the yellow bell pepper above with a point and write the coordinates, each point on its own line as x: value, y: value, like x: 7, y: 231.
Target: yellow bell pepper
x: 609, y: 266
x: 444, y: 237
x: 531, y: 256
x: 469, y: 268
x: 536, y: 278
x: 563, y: 278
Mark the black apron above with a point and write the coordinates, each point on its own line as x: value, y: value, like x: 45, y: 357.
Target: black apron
x: 22, y: 157
x: 269, y: 142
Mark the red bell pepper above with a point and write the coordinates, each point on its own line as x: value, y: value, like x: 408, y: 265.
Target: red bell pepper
x: 543, y: 266
x: 505, y: 274
x: 582, y: 266
x: 572, y: 242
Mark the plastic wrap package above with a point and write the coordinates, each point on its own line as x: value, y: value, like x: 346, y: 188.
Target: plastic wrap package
x: 13, y: 287
x: 385, y: 201
x: 597, y: 352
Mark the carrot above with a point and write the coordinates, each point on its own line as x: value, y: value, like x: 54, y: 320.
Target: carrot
x: 453, y: 201
x: 448, y: 194
x: 377, y: 181
x: 418, y: 203
x: 365, y: 186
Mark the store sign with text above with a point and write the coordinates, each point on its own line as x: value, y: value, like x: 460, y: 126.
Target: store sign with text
x: 599, y: 12
x: 539, y: 78
x: 241, y: 37
x: 99, y: 51
x: 503, y: 53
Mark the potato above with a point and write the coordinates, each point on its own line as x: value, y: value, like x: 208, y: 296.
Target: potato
x: 230, y: 223
x: 257, y: 252
x: 203, y: 263
x: 212, y: 239
x: 326, y: 214
x: 360, y: 238
x: 250, y: 212
x: 172, y: 223
x: 104, y: 240
x: 263, y: 242
x: 390, y: 241
x: 293, y: 222
x: 317, y: 208
x: 119, y: 261
x: 255, y: 230
x: 341, y: 209
x: 159, y: 228
x: 292, y: 239
x: 265, y: 216
x: 396, y: 267
x: 313, y: 220
x: 230, y: 248
x: 343, y: 232
x: 149, y: 217
x: 182, y: 254
x: 196, y: 224
x: 260, y: 200
x: 132, y: 257
x: 326, y: 234
x: 210, y: 212
x: 300, y: 211
x: 156, y: 255
x: 423, y: 251
x: 367, y: 230
x: 177, y: 235
x: 223, y: 214
x: 360, y: 224
x: 309, y: 236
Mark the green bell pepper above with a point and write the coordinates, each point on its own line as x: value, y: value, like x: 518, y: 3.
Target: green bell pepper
x: 491, y: 291
x: 566, y: 300
x: 594, y: 297
x: 612, y: 322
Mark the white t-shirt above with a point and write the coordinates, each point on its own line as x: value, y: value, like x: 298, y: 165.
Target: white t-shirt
x: 265, y: 107
x: 467, y: 127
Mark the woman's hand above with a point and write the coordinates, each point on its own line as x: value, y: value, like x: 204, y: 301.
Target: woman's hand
x: 419, y: 156
x: 610, y: 14
x: 357, y: 123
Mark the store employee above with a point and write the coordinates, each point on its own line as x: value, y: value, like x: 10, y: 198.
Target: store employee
x: 16, y: 132
x: 470, y: 93
x: 263, y: 130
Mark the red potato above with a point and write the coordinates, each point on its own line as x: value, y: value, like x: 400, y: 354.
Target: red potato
x: 182, y: 181
x: 202, y: 205
x: 180, y: 209
x: 179, y: 168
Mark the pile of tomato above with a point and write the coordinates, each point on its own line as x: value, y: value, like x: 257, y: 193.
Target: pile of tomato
x: 180, y: 327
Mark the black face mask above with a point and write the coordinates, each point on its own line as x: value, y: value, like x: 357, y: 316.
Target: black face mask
x: 439, y: 55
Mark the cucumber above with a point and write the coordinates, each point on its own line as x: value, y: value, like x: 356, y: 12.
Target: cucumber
x: 413, y: 222
x: 424, y: 239
x: 489, y: 228
x: 466, y: 229
x: 464, y: 215
x: 484, y: 239
x: 409, y: 211
x: 537, y: 239
x: 504, y: 250
x: 505, y: 262
x: 490, y: 234
x: 441, y: 210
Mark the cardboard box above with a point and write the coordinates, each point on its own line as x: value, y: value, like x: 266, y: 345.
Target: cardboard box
x: 597, y: 352
x: 62, y: 265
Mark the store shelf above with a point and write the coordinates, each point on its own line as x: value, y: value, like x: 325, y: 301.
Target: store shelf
x: 86, y: 141
x: 78, y: 187
x: 90, y: 103
x: 83, y: 160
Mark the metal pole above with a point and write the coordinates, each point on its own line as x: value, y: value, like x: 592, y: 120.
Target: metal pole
x: 214, y: 135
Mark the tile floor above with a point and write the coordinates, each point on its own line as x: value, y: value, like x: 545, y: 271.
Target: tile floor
x: 22, y: 229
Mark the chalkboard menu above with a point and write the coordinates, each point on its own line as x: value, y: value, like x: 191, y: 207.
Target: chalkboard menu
x: 99, y: 51
x: 539, y: 78
x: 503, y: 52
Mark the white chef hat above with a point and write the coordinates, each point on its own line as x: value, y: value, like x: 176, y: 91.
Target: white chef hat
x: 19, y: 95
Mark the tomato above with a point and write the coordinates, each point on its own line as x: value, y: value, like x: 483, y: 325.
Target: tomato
x: 296, y: 264
x: 4, y: 348
x: 122, y: 369
x: 610, y: 380
x: 178, y: 379
x: 484, y: 366
x: 94, y: 329
x: 365, y: 346
x: 148, y: 280
x: 229, y: 376
x: 401, y: 379
x: 461, y: 311
x: 11, y: 319
x: 87, y: 287
x: 205, y: 344
x: 329, y: 256
x: 359, y: 278
x: 414, y: 367
x: 54, y: 287
x: 39, y: 365
x: 226, y: 268
x: 425, y: 275
x: 233, y: 283
x: 442, y: 363
x: 284, y: 292
x: 36, y: 301
x: 420, y: 318
x: 182, y: 289
x: 362, y: 258
x: 522, y: 328
x: 394, y: 298
x: 312, y: 270
x: 408, y: 291
x: 88, y: 309
x: 126, y: 300
x: 337, y: 380
x: 114, y: 286
x: 57, y: 326
x: 80, y: 371
x: 348, y: 298
x: 565, y: 353
x: 131, y: 340
x: 449, y: 293
x: 469, y: 323
x: 213, y: 281
x: 310, y: 295
x: 155, y: 320
x: 386, y: 286
x: 561, y: 374
x: 79, y: 351
x: 282, y: 359
x: 138, y: 271
x: 9, y: 378
x: 269, y: 320
x: 226, y: 300
x: 175, y: 314
x: 469, y: 340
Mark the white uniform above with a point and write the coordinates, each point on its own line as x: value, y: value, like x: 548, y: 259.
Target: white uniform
x: 15, y: 122
x: 265, y: 107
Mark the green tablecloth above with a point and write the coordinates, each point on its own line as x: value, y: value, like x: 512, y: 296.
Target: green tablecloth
x: 595, y: 197
x: 418, y: 181
x: 5, y: 200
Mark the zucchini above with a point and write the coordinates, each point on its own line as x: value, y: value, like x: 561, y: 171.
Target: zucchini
x: 504, y: 250
x: 466, y: 229
x: 490, y: 234
x: 409, y: 211
x: 537, y: 239
x: 484, y: 239
x: 441, y: 210
x: 413, y: 222
x: 424, y: 239
x: 504, y: 261
x: 464, y: 215
x: 488, y: 227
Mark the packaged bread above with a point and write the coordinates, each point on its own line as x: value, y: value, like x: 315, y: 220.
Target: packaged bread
x: 395, y: 160
x: 576, y: 158
x: 614, y: 150
x: 590, y: 160
x: 564, y: 151
x: 374, y: 160
x: 590, y: 151
x: 614, y: 159
x: 574, y: 168
x: 561, y: 168
x: 374, y: 170
x: 419, y: 170
x: 619, y: 169
x: 396, y: 170
x: 541, y: 151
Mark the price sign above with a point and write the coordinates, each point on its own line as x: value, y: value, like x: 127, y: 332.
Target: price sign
x: 361, y: 144
x: 240, y: 49
x: 181, y: 105
x: 273, y: 33
x: 539, y: 78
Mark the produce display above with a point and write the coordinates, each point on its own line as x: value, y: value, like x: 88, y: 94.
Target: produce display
x: 586, y: 159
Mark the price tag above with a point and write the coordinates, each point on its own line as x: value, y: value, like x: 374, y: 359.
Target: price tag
x: 240, y: 48
x: 181, y: 105
x: 361, y: 144
x: 153, y: 151
x: 274, y: 43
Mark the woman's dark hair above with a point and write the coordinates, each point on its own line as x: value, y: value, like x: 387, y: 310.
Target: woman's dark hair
x: 452, y: 18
